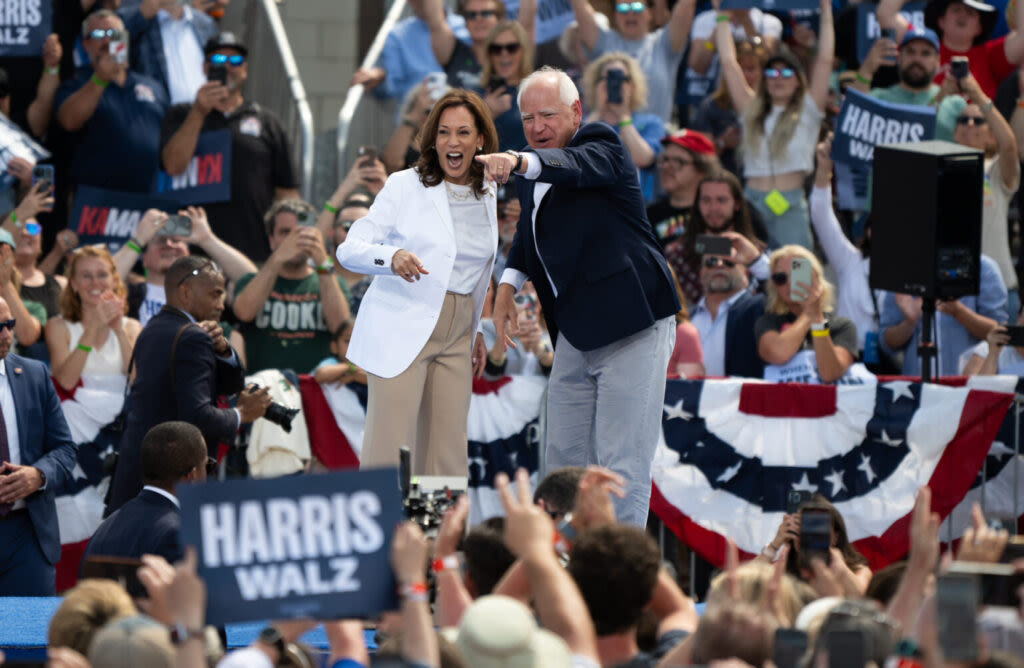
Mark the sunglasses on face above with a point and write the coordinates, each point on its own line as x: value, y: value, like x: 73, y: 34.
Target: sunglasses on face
x: 8, y: 324
x: 482, y: 14
x: 970, y: 120
x: 627, y: 7
x: 222, y: 58
x: 679, y: 163
x: 775, y: 73
x: 711, y: 262
x: 100, y: 33
x: 510, y: 48
x: 780, y: 278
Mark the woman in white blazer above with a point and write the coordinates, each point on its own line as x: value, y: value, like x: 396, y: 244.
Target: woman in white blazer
x: 430, y: 238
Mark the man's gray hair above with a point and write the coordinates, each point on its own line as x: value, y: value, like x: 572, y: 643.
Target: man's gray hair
x: 567, y: 91
x: 99, y: 14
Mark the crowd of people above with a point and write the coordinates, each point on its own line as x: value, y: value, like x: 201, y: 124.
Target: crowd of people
x: 648, y: 195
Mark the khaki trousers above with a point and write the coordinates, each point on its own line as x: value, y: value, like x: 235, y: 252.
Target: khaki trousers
x: 426, y: 406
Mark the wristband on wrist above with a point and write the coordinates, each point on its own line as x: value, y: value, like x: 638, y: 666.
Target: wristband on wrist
x: 770, y: 551
x: 452, y: 562
x: 134, y: 245
x: 14, y: 218
x: 623, y: 123
x: 987, y: 107
x: 722, y: 18
x: 328, y: 207
x: 1020, y: 103
x: 709, y: 45
x: 414, y: 591
x: 819, y: 333
x: 861, y: 78
x: 52, y: 70
x: 99, y: 82
x: 84, y: 348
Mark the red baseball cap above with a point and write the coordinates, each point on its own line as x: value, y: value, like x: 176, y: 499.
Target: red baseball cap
x: 691, y: 140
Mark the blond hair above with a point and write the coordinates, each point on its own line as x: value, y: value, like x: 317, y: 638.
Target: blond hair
x: 85, y: 610
x: 592, y: 77
x: 71, y: 301
x: 774, y: 303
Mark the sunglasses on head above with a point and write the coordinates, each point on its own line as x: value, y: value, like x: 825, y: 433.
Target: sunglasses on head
x: 235, y: 59
x: 970, y: 120
x: 100, y: 33
x: 8, y: 324
x: 627, y: 7
x: 776, y: 72
x: 510, y: 48
x: 212, y: 266
x: 482, y: 14
x: 710, y: 261
x: 780, y: 278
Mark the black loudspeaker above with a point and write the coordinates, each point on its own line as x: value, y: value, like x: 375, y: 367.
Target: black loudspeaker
x: 926, y: 219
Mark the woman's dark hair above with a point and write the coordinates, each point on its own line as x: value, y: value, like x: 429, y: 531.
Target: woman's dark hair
x: 851, y: 556
x: 429, y: 164
x: 741, y: 219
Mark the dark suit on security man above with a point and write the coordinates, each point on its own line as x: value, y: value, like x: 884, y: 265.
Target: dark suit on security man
x: 182, y: 364
x: 172, y: 453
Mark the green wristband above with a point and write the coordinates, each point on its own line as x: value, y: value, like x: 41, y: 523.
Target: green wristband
x: 328, y: 207
x: 84, y: 348
x: 721, y: 18
x: 134, y: 245
x: 99, y: 82
x: 857, y: 75
x: 622, y: 124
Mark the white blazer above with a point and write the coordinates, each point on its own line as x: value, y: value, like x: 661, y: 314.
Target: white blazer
x: 396, y: 317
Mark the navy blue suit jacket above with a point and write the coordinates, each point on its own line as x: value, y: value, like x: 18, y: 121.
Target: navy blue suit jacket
x: 148, y: 524
x: 741, y: 358
x: 200, y: 376
x: 45, y: 443
x: 146, y: 48
x: 592, y: 230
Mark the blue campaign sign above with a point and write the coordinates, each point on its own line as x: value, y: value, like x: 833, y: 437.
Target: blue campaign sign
x: 313, y: 546
x: 110, y: 216
x: 865, y: 121
x: 868, y: 29
x: 771, y: 5
x: 207, y: 178
x: 24, y: 26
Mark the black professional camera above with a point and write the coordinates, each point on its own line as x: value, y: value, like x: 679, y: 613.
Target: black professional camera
x: 280, y: 415
x: 424, y: 506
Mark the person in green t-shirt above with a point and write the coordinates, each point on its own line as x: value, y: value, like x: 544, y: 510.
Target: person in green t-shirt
x: 917, y: 60
x: 292, y: 304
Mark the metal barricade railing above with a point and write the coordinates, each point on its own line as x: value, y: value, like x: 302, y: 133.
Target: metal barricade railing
x: 274, y: 80
x: 366, y: 119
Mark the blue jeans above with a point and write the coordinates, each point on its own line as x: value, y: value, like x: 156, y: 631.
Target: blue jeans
x: 604, y: 408
x: 792, y: 227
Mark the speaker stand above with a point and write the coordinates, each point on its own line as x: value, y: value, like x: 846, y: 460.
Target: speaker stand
x: 926, y: 349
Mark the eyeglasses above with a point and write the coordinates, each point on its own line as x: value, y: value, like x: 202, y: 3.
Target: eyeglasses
x: 970, y: 120
x: 780, y: 278
x: 784, y: 72
x: 33, y: 229
x: 510, y: 48
x: 627, y: 7
x: 8, y: 324
x: 675, y: 162
x: 710, y: 261
x: 234, y: 59
x: 482, y: 14
x: 344, y: 224
x: 100, y: 33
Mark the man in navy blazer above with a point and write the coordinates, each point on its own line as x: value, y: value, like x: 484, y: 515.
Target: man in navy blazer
x: 724, y: 318
x: 584, y: 240
x: 172, y: 453
x: 182, y: 364
x: 37, y: 457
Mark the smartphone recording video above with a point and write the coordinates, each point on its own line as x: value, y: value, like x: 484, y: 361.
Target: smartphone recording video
x: 815, y: 535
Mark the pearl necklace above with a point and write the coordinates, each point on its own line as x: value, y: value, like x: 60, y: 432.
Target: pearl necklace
x: 459, y: 197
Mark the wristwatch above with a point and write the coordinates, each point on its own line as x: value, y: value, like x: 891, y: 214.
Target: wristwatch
x: 271, y: 636
x: 181, y: 634
x: 519, y: 159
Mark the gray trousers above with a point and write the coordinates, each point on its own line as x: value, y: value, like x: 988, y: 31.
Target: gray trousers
x: 604, y: 407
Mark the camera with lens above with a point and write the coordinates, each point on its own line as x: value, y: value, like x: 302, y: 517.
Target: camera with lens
x: 280, y: 415
x: 425, y: 499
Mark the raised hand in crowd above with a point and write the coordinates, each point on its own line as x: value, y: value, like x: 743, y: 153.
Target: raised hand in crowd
x: 21, y: 169
x: 209, y: 95
x: 980, y: 542
x: 40, y: 110
x: 67, y: 241
x: 253, y: 403
x: 368, y: 77
x: 365, y: 173
x: 409, y: 564
x: 883, y: 53
x: 38, y: 199
x: 452, y: 596
x: 594, y: 505
x: 405, y: 135
x: 921, y: 560
x: 743, y: 249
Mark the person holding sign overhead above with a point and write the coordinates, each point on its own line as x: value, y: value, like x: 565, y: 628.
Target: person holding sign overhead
x: 781, y: 121
x: 799, y: 337
x: 430, y: 238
